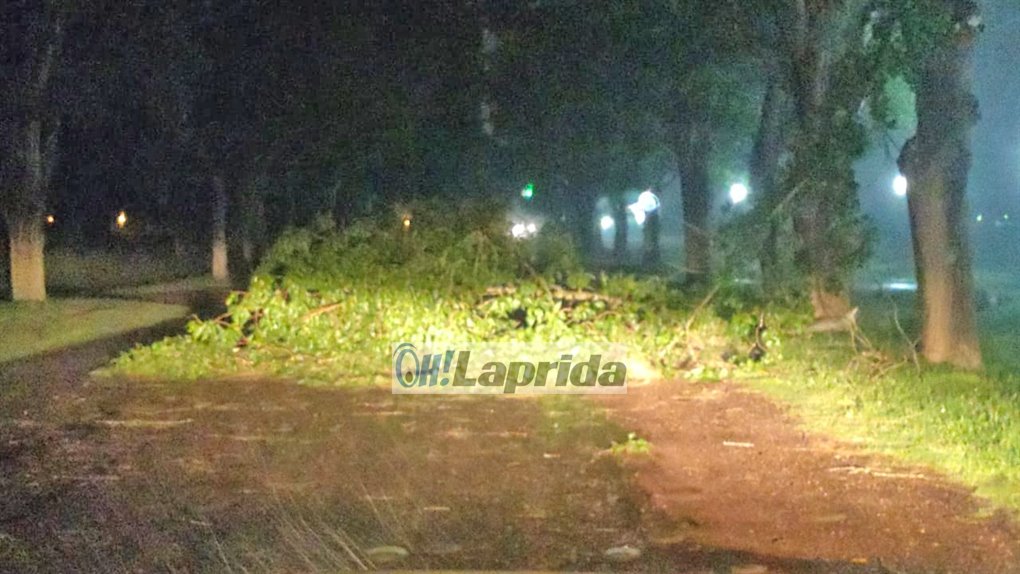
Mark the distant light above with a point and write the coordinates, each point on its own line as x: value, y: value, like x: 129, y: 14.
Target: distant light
x: 121, y: 220
x: 980, y: 218
x: 407, y: 222
x: 738, y: 193
x: 900, y: 185
x: 648, y: 201
x: 639, y: 214
x: 607, y: 222
x: 50, y: 220
x: 524, y: 229
x: 1005, y: 216
x: 899, y: 286
x: 528, y: 192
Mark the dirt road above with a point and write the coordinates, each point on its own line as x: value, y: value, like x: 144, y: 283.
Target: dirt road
x: 270, y: 476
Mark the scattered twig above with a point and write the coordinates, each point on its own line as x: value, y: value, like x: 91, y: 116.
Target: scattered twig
x: 912, y: 345
x: 321, y: 311
x: 568, y: 295
x: 782, y: 203
x: 701, y: 306
x: 139, y: 423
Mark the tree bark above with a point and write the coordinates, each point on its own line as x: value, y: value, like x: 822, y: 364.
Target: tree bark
x: 813, y: 214
x: 251, y: 222
x: 693, y: 151
x: 220, y: 271
x: 24, y: 217
x: 27, y: 240
x: 651, y: 256
x: 580, y: 217
x: 33, y: 159
x: 764, y: 173
x: 936, y: 161
x: 620, y: 215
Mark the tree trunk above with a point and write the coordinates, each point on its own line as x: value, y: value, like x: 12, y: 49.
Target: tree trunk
x: 936, y: 161
x: 24, y: 217
x: 620, y: 236
x: 580, y: 217
x: 829, y: 298
x: 33, y: 158
x: 765, y: 158
x: 814, y: 211
x: 219, y: 230
x: 693, y: 154
x: 651, y: 255
x: 27, y: 239
x: 252, y: 224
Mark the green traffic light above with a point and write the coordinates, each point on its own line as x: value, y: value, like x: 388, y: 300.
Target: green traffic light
x: 528, y: 192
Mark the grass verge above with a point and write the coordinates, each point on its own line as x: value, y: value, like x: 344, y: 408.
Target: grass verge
x: 966, y: 425
x: 30, y: 328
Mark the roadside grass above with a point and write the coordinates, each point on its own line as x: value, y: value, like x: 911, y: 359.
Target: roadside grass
x: 31, y: 328
x: 98, y: 271
x: 966, y: 425
x: 194, y: 283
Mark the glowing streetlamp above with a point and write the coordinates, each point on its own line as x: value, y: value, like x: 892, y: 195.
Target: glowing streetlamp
x: 607, y: 222
x: 121, y: 220
x: 738, y: 193
x: 648, y: 201
x: 640, y: 215
x: 50, y: 220
x: 900, y: 185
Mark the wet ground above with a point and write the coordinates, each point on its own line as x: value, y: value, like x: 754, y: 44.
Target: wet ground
x: 267, y: 476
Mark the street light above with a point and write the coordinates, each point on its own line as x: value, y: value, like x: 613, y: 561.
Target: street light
x: 900, y: 185
x: 648, y: 201
x: 738, y: 193
x: 639, y: 214
x: 607, y: 222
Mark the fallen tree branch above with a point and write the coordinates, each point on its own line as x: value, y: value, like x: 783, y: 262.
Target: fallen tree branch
x: 321, y: 311
x: 568, y: 295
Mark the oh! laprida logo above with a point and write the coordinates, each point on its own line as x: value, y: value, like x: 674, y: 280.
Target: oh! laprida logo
x: 510, y: 368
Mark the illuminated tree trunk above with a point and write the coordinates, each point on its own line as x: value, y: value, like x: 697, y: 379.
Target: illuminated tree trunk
x: 693, y: 150
x: 27, y: 239
x: 936, y: 161
x: 32, y: 159
x: 219, y: 235
x: 24, y: 215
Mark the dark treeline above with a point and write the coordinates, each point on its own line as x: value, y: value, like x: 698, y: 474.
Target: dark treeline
x: 221, y: 122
